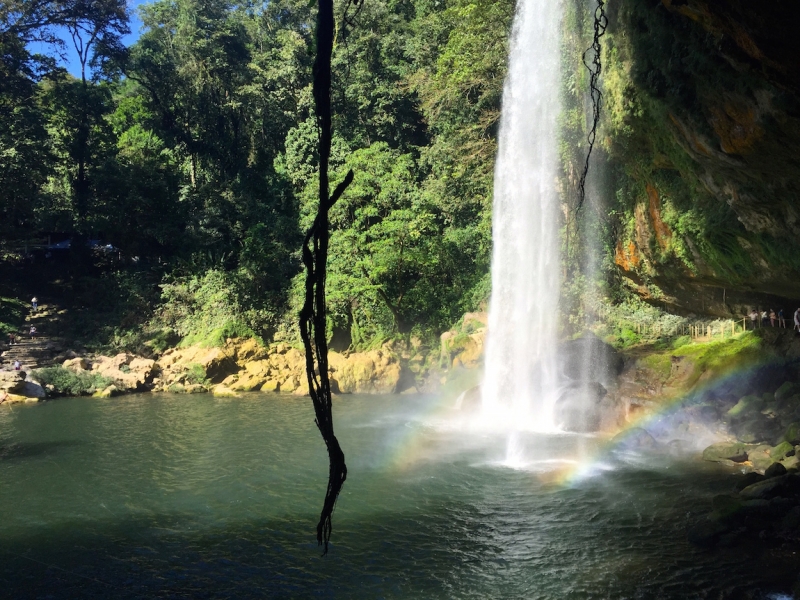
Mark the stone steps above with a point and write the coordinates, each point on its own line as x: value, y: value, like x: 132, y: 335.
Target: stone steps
x: 32, y: 354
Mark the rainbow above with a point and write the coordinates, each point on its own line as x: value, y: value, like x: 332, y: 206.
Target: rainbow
x: 416, y: 444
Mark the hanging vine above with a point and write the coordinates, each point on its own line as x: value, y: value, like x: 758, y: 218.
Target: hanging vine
x: 315, y: 259
x: 595, y: 67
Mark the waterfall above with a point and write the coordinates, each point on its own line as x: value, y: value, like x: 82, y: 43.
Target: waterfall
x: 519, y: 387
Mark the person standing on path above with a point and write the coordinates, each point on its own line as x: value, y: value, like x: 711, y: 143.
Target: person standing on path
x: 35, y: 303
x: 781, y: 319
x: 797, y: 320
x: 753, y: 318
x: 17, y: 365
x: 33, y: 331
x: 772, y: 317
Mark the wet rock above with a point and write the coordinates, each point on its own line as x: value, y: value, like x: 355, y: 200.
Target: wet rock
x: 107, y: 392
x: 706, y: 533
x: 770, y: 488
x: 635, y: 439
x: 748, y: 479
x: 787, y: 390
x: 775, y: 470
x: 792, y: 434
x: 747, y: 404
x: 469, y: 400
x: 578, y: 407
x: 733, y: 451
x: 725, y: 506
x: 588, y: 358
x: 222, y: 391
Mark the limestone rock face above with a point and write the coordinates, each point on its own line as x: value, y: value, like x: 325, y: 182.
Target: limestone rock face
x: 373, y: 372
x: 11, y: 380
x: 128, y: 372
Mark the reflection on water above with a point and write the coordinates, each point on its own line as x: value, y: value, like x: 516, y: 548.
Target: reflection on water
x: 190, y: 496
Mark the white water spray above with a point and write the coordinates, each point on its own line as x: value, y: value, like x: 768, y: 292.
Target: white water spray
x: 519, y: 388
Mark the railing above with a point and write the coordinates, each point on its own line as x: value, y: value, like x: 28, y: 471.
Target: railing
x: 664, y: 326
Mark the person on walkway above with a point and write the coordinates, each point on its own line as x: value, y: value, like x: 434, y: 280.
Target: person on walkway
x: 772, y: 317
x: 35, y: 303
x: 764, y: 318
x: 33, y: 331
x: 11, y: 339
x: 781, y: 319
x: 797, y: 320
x: 17, y: 365
x: 753, y: 318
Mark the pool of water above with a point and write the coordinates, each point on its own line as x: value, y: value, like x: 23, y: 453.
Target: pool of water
x: 194, y: 497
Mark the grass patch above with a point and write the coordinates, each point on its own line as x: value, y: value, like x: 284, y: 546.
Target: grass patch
x: 69, y: 383
x: 723, y: 355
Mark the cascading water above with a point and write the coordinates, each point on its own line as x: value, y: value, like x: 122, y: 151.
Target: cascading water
x: 519, y: 388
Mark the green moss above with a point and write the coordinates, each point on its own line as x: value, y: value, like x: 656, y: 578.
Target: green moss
x: 724, y: 355
x: 660, y: 364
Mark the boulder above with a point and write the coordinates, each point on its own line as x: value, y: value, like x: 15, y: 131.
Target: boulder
x: 222, y: 391
x: 722, y: 451
x: 787, y: 390
x: 270, y: 386
x: 30, y: 389
x: 195, y: 388
x: 14, y: 398
x: 636, y: 440
x: 77, y: 364
x: 775, y: 470
x: 247, y: 382
x: 289, y: 385
x: 108, y: 392
x: 745, y: 405
x: 578, y: 407
x: 588, y: 358
x: 706, y: 533
x: 469, y: 400
x: 11, y: 380
x: 770, y: 488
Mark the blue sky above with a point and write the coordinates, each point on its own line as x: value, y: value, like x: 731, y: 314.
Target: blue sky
x: 71, y: 62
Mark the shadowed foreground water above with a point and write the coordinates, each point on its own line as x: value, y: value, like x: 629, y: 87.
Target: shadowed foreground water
x: 195, y: 497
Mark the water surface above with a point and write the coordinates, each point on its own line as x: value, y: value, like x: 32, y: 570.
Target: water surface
x: 195, y: 497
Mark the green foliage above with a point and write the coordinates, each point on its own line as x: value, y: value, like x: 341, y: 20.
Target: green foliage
x: 211, y: 308
x: 12, y: 314
x: 70, y: 383
x: 196, y: 374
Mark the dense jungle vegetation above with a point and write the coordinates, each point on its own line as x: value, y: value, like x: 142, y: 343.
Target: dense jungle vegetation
x: 182, y: 168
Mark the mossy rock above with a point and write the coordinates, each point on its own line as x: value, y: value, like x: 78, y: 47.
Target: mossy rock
x: 746, y: 405
x: 724, y: 451
x: 725, y: 506
x: 787, y: 390
x: 107, y: 392
x: 779, y: 451
x: 792, y: 433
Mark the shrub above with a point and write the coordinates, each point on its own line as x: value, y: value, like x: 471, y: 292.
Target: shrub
x: 196, y: 374
x: 69, y: 383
